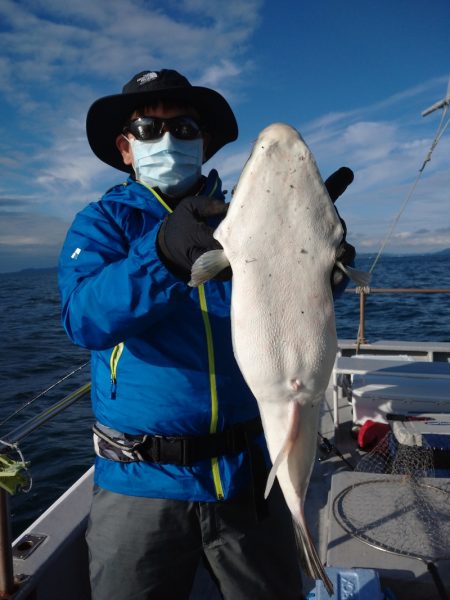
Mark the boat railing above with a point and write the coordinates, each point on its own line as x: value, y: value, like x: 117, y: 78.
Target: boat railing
x: 7, y: 583
x: 365, y: 291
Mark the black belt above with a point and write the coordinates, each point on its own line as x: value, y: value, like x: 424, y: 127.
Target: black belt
x: 175, y: 450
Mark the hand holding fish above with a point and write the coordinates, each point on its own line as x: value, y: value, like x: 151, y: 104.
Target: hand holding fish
x: 336, y: 185
x: 185, y: 234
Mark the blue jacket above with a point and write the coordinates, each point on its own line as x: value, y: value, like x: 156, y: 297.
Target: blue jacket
x: 162, y: 358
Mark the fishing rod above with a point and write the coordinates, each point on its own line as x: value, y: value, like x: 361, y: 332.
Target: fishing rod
x: 41, y: 394
x: 22, y: 431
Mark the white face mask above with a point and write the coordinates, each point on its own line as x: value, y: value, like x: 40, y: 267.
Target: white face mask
x: 169, y: 164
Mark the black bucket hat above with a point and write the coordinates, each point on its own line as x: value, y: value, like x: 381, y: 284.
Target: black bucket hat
x: 106, y: 117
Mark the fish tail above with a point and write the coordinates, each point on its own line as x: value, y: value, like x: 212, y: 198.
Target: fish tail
x: 309, y: 558
x: 207, y: 266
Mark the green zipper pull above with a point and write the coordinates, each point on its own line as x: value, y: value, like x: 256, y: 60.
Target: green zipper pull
x: 113, y: 362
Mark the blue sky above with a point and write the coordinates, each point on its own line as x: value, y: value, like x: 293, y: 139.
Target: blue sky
x: 352, y: 76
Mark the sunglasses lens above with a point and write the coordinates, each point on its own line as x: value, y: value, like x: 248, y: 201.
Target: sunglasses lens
x: 145, y: 129
x: 184, y: 128
x: 152, y: 128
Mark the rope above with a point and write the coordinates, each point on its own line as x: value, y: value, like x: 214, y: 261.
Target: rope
x: 440, y: 131
x: 21, y: 408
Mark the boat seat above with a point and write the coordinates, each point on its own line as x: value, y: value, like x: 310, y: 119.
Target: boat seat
x: 384, y: 367
x: 374, y: 398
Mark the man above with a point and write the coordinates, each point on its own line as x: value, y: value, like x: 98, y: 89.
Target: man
x: 179, y: 469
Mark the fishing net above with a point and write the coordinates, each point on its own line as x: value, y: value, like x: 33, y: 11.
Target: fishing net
x: 400, y: 507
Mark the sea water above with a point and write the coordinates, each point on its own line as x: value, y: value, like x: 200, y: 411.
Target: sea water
x: 36, y: 353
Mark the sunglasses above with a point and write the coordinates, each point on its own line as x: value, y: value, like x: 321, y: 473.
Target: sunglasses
x: 152, y: 128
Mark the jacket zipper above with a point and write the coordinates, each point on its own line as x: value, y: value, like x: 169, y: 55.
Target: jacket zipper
x: 213, y: 388
x: 211, y: 364
x: 113, y: 362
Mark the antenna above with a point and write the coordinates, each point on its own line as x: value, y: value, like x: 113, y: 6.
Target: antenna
x: 444, y: 102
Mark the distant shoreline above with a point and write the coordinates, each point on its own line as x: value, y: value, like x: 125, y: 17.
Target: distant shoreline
x: 445, y: 252
x: 29, y: 270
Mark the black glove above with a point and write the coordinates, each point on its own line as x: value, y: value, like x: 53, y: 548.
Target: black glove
x: 338, y: 182
x: 185, y: 234
x: 336, y: 185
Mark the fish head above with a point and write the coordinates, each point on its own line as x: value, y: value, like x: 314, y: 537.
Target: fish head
x: 280, y: 186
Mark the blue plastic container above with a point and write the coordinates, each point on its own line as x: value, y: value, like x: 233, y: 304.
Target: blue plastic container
x: 350, y: 584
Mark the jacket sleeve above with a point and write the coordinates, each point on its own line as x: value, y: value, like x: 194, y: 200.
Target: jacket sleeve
x: 110, y: 289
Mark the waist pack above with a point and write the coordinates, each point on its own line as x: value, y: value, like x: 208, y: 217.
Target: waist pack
x: 175, y: 450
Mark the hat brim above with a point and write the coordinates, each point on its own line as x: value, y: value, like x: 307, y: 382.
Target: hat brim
x: 107, y: 116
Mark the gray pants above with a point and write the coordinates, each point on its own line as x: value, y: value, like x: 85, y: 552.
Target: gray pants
x: 145, y: 548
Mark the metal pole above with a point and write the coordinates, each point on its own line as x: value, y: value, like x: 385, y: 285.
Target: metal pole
x: 410, y: 290
x: 362, y: 304
x: 6, y: 562
x: 401, y: 290
x: 362, y: 301
x: 440, y: 104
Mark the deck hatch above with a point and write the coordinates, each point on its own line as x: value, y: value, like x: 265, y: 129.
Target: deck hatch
x: 27, y: 545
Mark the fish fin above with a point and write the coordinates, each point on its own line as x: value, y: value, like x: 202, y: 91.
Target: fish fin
x: 207, y: 266
x: 286, y: 448
x: 361, y: 278
x: 309, y: 557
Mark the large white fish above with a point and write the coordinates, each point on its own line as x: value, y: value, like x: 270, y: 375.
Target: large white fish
x: 280, y: 236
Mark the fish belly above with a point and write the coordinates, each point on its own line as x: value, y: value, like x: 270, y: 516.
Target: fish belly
x: 280, y: 236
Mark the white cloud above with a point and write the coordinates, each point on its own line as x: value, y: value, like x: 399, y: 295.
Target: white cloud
x: 386, y: 156
x: 384, y: 153
x: 110, y: 39
x: 59, y: 57
x: 407, y: 242
x: 215, y: 74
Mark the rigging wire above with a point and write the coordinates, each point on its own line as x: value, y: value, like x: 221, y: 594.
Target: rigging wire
x: 439, y: 133
x: 41, y: 394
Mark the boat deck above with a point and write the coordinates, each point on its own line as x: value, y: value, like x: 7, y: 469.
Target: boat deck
x: 407, y: 577
x: 63, y: 549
